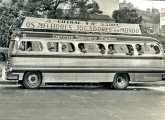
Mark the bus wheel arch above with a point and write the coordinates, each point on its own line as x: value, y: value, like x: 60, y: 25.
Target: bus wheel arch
x: 121, y: 81
x: 32, y: 79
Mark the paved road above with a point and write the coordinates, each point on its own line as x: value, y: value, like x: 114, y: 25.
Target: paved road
x: 81, y: 103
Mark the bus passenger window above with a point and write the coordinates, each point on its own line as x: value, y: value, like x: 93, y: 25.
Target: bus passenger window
x: 139, y: 49
x: 91, y: 48
x: 82, y: 48
x: 157, y: 50
x: 130, y: 50
x: 25, y: 46
x: 120, y: 48
x: 30, y: 46
x: 111, y: 49
x: 148, y: 49
x: 68, y: 47
x: 52, y: 46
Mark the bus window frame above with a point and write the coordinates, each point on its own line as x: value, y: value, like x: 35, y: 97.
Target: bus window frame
x: 25, y: 51
x: 46, y: 45
x: 93, y: 53
x: 148, y: 44
x: 60, y: 47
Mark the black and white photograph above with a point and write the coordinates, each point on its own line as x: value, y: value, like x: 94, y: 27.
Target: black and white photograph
x: 82, y: 59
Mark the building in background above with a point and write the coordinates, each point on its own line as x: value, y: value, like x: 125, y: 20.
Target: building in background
x: 122, y: 5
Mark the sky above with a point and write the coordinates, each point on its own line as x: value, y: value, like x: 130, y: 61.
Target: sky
x: 144, y: 4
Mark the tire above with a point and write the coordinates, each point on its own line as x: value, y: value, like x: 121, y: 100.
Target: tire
x: 120, y: 81
x: 32, y: 80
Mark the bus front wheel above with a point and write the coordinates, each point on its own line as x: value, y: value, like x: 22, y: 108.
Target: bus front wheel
x: 32, y: 80
x: 120, y: 81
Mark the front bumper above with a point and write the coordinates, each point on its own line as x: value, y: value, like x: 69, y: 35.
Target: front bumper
x: 9, y: 76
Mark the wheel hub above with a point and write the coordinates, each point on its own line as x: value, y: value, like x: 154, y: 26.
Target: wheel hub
x: 32, y: 79
x: 121, y: 81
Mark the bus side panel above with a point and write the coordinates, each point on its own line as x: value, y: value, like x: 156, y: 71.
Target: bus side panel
x: 148, y: 77
x: 58, y: 77
x: 30, y: 62
x: 93, y: 77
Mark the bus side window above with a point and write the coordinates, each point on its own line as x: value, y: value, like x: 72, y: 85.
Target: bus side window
x: 149, y: 49
x: 52, y: 46
x: 25, y: 46
x: 67, y: 47
x: 111, y: 49
x: 91, y: 48
x: 123, y: 49
x: 30, y: 46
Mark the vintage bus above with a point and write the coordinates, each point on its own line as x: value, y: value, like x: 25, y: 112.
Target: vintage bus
x: 110, y: 59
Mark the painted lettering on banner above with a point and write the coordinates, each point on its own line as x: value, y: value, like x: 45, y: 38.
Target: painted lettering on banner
x: 80, y: 26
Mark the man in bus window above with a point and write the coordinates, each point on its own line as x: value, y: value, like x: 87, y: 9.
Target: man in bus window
x: 64, y: 48
x: 130, y: 50
x: 139, y: 49
x: 102, y: 50
x: 157, y: 50
x: 111, y: 50
x: 82, y: 48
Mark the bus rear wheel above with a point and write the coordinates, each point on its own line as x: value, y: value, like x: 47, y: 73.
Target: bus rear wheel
x: 32, y: 80
x: 120, y: 81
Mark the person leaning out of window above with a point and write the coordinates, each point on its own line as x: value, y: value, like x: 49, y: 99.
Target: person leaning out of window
x: 111, y: 50
x: 139, y: 49
x: 130, y: 50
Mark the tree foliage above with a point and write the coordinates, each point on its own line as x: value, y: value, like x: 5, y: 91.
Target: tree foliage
x: 126, y: 15
x: 85, y: 8
x: 12, y: 14
x: 9, y: 15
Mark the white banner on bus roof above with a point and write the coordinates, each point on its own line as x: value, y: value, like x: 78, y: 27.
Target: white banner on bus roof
x: 80, y: 26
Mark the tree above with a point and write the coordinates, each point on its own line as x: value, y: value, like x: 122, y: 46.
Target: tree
x: 127, y: 15
x: 12, y: 14
x: 85, y: 9
x: 9, y: 16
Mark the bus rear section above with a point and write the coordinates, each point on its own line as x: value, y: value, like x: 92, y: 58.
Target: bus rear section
x: 35, y: 61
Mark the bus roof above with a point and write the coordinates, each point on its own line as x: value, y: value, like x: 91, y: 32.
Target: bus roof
x: 87, y: 37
